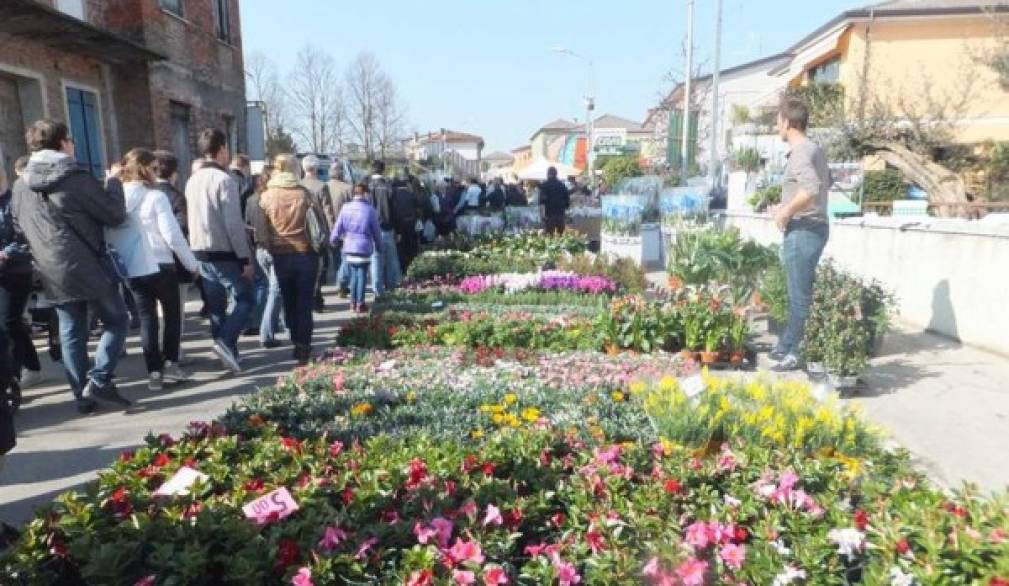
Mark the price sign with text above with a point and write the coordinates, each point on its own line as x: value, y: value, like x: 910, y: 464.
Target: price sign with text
x: 278, y: 504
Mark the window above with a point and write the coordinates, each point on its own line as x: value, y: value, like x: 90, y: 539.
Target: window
x: 827, y: 72
x: 180, y: 140
x: 82, y: 106
x: 222, y: 20
x: 173, y: 6
x: 74, y: 8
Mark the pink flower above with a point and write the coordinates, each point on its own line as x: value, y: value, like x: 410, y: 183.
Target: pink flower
x: 424, y: 534
x: 651, y: 569
x: 332, y: 538
x: 444, y: 528
x: 566, y: 573
x: 146, y: 580
x: 697, y: 535
x: 787, y: 481
x: 362, y: 551
x: 692, y: 571
x: 466, y: 551
x: 493, y: 516
x: 468, y: 509
x: 733, y: 555
x: 303, y: 578
x: 421, y: 578
x: 495, y: 575
x: 595, y: 541
x: 463, y: 577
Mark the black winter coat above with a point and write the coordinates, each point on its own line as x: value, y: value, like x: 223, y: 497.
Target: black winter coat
x: 53, y: 194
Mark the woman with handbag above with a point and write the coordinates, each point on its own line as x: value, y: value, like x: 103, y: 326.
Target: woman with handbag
x: 149, y: 241
x: 290, y: 219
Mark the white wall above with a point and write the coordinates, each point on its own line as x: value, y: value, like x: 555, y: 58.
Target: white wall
x: 949, y: 276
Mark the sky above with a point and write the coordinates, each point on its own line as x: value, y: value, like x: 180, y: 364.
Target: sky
x: 488, y: 67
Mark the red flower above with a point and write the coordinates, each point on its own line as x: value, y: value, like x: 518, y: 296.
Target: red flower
x: 335, y: 449
x: 192, y: 510
x: 287, y: 553
x: 558, y: 519
x: 545, y: 458
x: 126, y: 456
x: 595, y: 541
x: 254, y: 485
x: 513, y: 519
x: 740, y: 535
x: 348, y: 495
x: 162, y: 460
x: 998, y: 582
x: 421, y: 578
x: 191, y: 463
x: 120, y: 502
x: 488, y: 468
x: 861, y: 520
x: 673, y: 486
x: 292, y: 444
x: 903, y: 546
x: 58, y: 549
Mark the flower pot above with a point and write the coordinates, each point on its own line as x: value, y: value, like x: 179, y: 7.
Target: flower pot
x: 842, y: 382
x: 688, y: 356
x: 709, y: 358
x: 736, y: 358
x: 816, y: 370
x: 612, y: 349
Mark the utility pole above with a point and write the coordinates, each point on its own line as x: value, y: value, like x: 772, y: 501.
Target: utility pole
x: 590, y: 105
x: 715, y: 109
x: 684, y: 145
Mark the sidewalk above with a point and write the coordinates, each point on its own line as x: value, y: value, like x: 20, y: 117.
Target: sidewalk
x: 59, y: 449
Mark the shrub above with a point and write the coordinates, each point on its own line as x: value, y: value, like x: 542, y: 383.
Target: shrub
x: 884, y: 186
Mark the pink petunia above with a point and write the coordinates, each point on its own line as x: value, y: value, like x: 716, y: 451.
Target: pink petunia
x: 444, y: 528
x: 362, y: 551
x: 466, y: 551
x: 697, y: 535
x: 733, y: 555
x: 463, y: 577
x: 421, y: 578
x: 651, y: 569
x: 691, y: 572
x: 303, y: 578
x: 566, y: 573
x: 424, y: 534
x: 495, y: 575
x: 332, y: 538
x: 493, y: 516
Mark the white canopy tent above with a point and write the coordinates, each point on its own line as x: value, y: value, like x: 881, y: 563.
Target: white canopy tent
x: 537, y: 171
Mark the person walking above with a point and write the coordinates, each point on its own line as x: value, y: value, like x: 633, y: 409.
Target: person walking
x: 357, y: 228
x: 385, y: 273
x: 340, y: 192
x: 220, y: 243
x: 150, y: 240
x: 802, y: 218
x: 405, y: 214
x: 321, y: 196
x: 63, y: 211
x: 283, y: 215
x: 15, y: 290
x: 269, y: 313
x: 554, y: 200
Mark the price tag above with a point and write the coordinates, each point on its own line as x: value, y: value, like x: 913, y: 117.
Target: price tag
x: 279, y: 501
x: 178, y: 485
x: 692, y: 386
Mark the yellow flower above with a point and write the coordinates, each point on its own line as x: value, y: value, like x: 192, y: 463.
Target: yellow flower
x: 498, y: 419
x: 511, y: 399
x: 512, y: 420
x: 617, y: 396
x: 667, y: 384
x: 476, y: 434
x: 531, y: 414
x: 637, y: 387
x: 411, y: 397
x: 361, y: 409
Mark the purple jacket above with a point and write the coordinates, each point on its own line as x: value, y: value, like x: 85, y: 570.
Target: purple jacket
x: 358, y: 227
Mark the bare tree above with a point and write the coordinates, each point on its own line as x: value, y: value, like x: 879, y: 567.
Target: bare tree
x: 316, y: 101
x: 264, y: 84
x: 375, y: 117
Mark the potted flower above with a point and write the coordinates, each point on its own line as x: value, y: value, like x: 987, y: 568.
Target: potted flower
x: 693, y: 334
x: 738, y: 332
x: 713, y: 344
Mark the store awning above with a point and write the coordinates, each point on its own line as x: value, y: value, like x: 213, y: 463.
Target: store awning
x: 537, y: 171
x: 41, y: 23
x: 810, y: 53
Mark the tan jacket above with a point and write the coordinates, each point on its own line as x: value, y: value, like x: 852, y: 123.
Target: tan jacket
x: 340, y: 193
x: 285, y: 210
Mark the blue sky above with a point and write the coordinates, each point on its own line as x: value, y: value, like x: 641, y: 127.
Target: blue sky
x: 486, y: 67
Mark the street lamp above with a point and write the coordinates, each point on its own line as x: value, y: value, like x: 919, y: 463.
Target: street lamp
x: 590, y: 105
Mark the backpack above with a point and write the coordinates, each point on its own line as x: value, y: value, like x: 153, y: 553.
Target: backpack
x: 316, y: 229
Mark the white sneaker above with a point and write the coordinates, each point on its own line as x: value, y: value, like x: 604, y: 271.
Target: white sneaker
x: 154, y: 382
x: 227, y: 358
x: 30, y: 378
x: 173, y: 374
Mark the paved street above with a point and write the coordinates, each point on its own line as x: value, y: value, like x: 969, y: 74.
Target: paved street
x: 59, y: 449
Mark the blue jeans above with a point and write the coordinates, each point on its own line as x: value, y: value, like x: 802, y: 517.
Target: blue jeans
x: 298, y: 275
x: 385, y: 273
x: 111, y: 310
x: 260, y: 292
x: 223, y: 279
x: 269, y: 325
x: 800, y: 253
x: 358, y: 279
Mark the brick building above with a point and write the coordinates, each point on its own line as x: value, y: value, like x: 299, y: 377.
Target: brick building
x: 122, y: 73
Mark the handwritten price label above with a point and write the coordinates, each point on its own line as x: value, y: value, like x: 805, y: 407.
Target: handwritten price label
x: 692, y: 386
x: 180, y: 483
x: 262, y: 510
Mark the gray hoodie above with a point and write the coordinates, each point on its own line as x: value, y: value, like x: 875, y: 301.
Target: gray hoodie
x: 63, y: 211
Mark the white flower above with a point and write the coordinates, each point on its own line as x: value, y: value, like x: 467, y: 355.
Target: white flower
x: 788, y: 575
x: 899, y: 578
x: 732, y: 502
x: 849, y: 541
x: 780, y: 547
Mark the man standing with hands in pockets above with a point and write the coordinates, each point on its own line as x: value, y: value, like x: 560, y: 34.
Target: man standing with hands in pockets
x: 803, y: 219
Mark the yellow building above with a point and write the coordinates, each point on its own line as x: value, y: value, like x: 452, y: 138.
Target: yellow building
x: 914, y: 59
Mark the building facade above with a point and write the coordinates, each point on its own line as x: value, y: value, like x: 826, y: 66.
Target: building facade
x: 122, y: 74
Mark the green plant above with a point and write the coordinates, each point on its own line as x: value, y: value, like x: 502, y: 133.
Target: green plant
x: 738, y: 332
x: 765, y: 198
x: 747, y: 159
x: 825, y: 101
x: 740, y: 115
x: 884, y: 186
x: 623, y: 271
x: 720, y: 257
x: 616, y: 169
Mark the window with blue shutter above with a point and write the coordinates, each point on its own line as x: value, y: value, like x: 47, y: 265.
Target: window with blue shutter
x: 82, y: 106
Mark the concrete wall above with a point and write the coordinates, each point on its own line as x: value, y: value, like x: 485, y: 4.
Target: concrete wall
x: 950, y: 277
